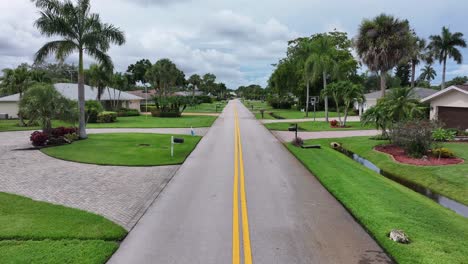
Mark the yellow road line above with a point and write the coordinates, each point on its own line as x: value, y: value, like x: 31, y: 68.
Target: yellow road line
x: 235, y: 202
x: 239, y: 163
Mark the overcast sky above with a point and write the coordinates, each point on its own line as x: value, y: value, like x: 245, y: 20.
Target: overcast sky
x: 237, y: 40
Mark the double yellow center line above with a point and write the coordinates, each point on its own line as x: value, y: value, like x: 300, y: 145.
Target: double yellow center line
x: 239, y: 181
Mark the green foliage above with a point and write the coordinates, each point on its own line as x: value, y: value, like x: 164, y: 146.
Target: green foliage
x: 345, y: 93
x: 139, y: 70
x: 414, y: 136
x: 43, y: 103
x: 92, y: 109
x: 280, y: 103
x: 163, y: 75
x: 382, y: 43
x: 441, y: 134
x: 445, y: 46
x: 458, y: 81
x: 403, y: 73
x: 251, y: 92
x: 170, y: 106
x: 443, y: 153
x: 72, y: 137
x: 128, y: 112
x: 107, y: 117
x: 428, y: 74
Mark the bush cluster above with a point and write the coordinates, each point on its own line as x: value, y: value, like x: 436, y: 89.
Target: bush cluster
x: 62, y: 131
x: 128, y: 112
x: 92, y: 109
x: 414, y: 136
x: 441, y: 134
x: 443, y: 153
x: 202, y: 99
x: 157, y: 113
x: 38, y: 138
x: 107, y: 117
x: 278, y: 103
x: 333, y: 123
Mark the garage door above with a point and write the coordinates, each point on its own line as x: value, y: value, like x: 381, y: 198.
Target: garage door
x: 454, y: 117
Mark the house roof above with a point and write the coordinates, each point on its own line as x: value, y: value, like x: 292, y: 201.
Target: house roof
x: 142, y: 94
x: 70, y: 91
x: 460, y: 88
x: 418, y: 91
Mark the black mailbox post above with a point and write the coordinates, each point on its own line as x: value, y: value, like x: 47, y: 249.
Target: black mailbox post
x: 294, y: 128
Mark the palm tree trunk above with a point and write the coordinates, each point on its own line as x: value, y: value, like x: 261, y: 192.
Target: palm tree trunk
x: 338, y: 109
x: 307, y: 99
x: 413, y: 73
x: 81, y: 98
x: 326, y: 97
x: 383, y: 84
x: 443, y: 73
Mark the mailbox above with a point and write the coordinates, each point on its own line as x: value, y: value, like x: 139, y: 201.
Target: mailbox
x: 293, y: 128
x: 178, y: 140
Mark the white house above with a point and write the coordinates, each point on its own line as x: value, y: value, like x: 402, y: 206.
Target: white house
x: 450, y: 106
x: 9, y: 104
x: 372, y: 98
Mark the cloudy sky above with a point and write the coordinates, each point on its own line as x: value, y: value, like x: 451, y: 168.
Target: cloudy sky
x: 238, y: 40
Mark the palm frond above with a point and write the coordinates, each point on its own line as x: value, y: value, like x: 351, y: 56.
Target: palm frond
x: 61, y: 48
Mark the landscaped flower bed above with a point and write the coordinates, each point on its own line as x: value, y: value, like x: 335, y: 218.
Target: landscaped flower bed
x: 58, y: 136
x: 399, y: 155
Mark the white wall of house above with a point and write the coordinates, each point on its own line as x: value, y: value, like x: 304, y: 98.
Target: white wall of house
x: 134, y: 104
x: 10, y: 108
x: 453, y: 98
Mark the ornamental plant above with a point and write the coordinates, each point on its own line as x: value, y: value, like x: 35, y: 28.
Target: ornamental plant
x: 39, y: 139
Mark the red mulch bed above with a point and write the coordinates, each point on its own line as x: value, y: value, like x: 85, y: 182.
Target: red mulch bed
x: 399, y: 155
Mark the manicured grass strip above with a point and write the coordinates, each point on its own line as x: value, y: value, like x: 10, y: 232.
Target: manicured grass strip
x: 126, y: 122
x: 450, y: 181
x: 125, y: 149
x: 51, y: 252
x: 22, y: 218
x: 158, y: 122
x: 215, y: 107
x: 318, y: 126
x: 438, y: 235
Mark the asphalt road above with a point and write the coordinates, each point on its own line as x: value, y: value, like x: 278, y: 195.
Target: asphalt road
x: 286, y: 216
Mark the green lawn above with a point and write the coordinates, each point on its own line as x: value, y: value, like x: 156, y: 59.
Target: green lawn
x: 39, y: 232
x: 124, y: 149
x: 437, y: 234
x: 284, y: 113
x: 317, y: 126
x: 216, y: 107
x: 127, y: 122
x: 450, y: 181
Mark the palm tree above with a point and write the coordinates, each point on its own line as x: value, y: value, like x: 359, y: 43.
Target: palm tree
x: 382, y: 43
x: 195, y: 80
x: 445, y: 46
x: 99, y: 77
x: 428, y: 73
x: 320, y: 63
x: 121, y: 82
x: 418, y: 53
x: 81, y: 31
x: 17, y: 81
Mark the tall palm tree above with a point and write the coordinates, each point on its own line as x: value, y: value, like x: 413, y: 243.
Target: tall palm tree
x: 444, y: 46
x: 81, y: 31
x: 17, y: 81
x: 382, y: 43
x: 417, y: 54
x: 195, y: 80
x: 320, y: 63
x: 428, y: 73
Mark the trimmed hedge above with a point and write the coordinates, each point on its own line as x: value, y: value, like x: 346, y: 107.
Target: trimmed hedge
x: 107, y: 117
x: 157, y: 113
x: 128, y: 112
x: 150, y: 106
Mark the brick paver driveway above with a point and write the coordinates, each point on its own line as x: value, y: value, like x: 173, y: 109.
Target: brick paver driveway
x: 121, y: 194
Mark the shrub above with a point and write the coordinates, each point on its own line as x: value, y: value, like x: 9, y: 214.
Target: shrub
x: 333, y: 123
x: 284, y: 103
x: 414, y: 136
x: 107, y: 117
x: 441, y: 134
x: 150, y: 106
x: 203, y: 99
x: 128, y: 112
x: 92, y: 109
x: 72, y: 137
x: 39, y: 138
x: 274, y: 115
x: 157, y: 113
x: 443, y: 153
x: 62, y: 131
